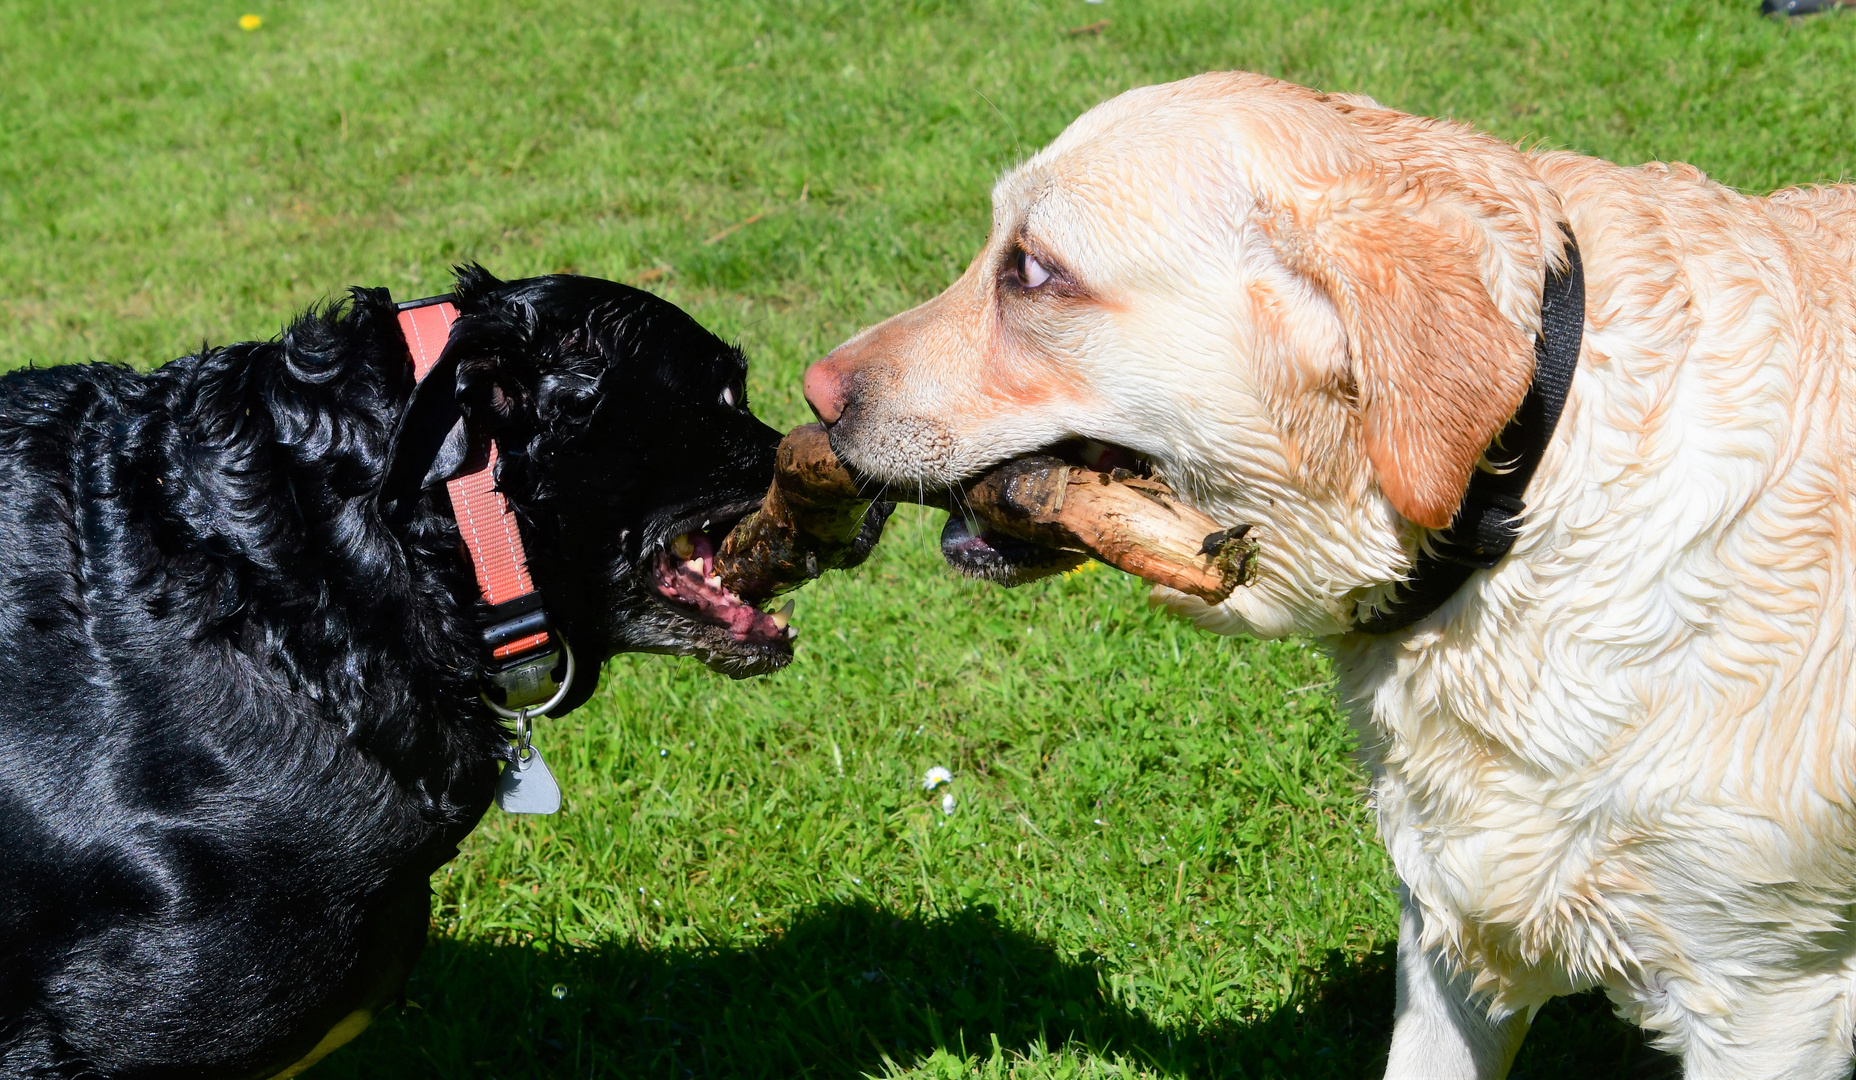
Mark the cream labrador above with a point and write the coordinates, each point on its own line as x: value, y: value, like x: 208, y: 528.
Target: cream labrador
x: 1624, y: 756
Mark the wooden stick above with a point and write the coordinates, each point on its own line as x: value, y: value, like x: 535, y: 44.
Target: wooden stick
x: 818, y: 504
x: 813, y: 511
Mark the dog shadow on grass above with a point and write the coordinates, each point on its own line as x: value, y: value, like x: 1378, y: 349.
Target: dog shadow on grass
x: 853, y: 990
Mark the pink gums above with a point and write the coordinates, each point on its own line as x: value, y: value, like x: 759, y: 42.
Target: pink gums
x: 677, y: 582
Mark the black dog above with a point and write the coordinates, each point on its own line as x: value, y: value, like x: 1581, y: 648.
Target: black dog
x: 240, y: 722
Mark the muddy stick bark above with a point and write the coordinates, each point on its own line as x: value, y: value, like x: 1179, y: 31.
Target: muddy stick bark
x: 817, y: 506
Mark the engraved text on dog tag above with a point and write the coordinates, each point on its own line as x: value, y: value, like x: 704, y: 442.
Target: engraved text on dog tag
x: 527, y: 787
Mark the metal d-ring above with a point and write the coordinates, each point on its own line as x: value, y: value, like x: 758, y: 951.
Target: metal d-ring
x: 523, y: 732
x: 520, y: 716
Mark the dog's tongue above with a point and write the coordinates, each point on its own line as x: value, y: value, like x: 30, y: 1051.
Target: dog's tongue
x: 1002, y: 559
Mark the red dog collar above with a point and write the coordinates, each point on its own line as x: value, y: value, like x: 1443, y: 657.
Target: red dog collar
x: 516, y: 633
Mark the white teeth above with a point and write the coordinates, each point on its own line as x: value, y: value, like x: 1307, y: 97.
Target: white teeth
x: 694, y: 566
x: 783, y: 616
x: 792, y: 632
x: 683, y: 546
x: 714, y: 581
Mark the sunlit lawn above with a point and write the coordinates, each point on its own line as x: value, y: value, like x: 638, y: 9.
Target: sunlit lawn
x: 1158, y: 862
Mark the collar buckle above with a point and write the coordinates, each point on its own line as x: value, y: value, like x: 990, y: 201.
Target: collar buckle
x: 531, y: 684
x: 515, y: 626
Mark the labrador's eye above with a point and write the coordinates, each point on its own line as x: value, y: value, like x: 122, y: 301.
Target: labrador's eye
x: 1031, y: 272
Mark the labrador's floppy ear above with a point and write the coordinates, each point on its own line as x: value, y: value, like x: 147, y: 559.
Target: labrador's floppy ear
x: 1437, y: 367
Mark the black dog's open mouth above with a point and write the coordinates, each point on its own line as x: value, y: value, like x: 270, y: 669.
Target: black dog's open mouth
x: 683, y: 573
x: 1006, y: 560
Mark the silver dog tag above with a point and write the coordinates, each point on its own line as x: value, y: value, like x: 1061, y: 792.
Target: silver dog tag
x: 527, y: 787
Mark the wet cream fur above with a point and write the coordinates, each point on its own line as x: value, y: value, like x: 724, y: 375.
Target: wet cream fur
x: 1625, y: 757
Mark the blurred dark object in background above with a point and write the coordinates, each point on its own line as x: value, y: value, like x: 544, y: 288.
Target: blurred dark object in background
x: 1801, y: 7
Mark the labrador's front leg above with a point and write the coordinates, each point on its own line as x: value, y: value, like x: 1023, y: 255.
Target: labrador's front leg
x: 1439, y: 1032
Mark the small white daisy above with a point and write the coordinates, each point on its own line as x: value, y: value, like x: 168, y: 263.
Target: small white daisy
x: 947, y: 803
x: 936, y: 777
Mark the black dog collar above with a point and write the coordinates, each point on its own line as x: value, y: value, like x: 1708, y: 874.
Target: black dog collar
x: 1488, y: 520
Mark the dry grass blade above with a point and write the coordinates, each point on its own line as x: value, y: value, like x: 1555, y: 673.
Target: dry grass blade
x: 735, y: 228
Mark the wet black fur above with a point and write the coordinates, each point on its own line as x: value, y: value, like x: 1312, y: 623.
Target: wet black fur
x: 239, y: 724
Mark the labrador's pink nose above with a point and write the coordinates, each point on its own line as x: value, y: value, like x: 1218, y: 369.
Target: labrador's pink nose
x: 824, y: 386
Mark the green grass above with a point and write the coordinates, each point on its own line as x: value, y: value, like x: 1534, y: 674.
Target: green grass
x: 1158, y: 864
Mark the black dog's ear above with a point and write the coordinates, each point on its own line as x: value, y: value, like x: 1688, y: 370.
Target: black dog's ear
x: 462, y: 401
x: 429, y: 443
